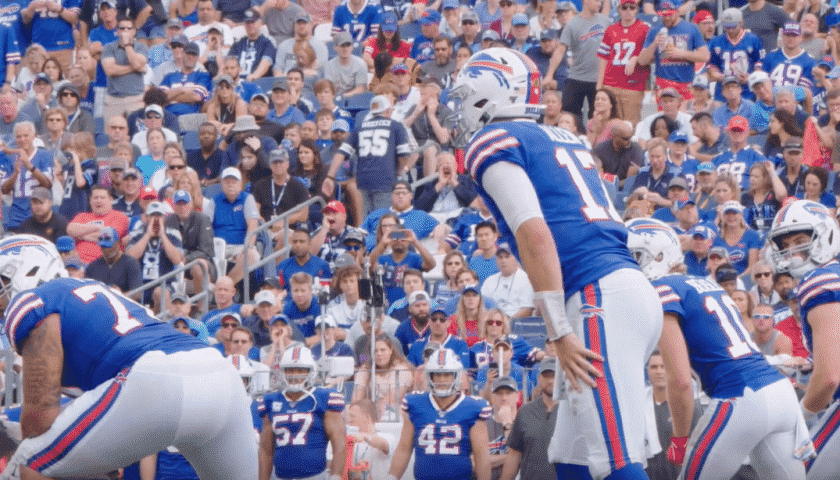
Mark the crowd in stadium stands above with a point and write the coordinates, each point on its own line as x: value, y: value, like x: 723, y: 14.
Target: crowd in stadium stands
x: 147, y: 134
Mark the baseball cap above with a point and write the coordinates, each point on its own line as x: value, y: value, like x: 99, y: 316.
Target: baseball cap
x: 251, y: 15
x: 64, y: 243
x: 719, y: 251
x: 519, y: 19
x: 469, y: 15
x: 666, y: 7
x: 548, y: 365
x: 281, y: 84
x: 678, y: 136
x: 565, y: 6
x: 118, y: 164
x: 503, y: 340
x: 148, y: 193
x: 278, y: 155
x: 260, y: 96
x: 738, y: 123
x: 399, y: 68
x: 231, y: 172
x: 430, y: 17
x: 726, y: 274
x: 505, y: 382
x: 757, y: 77
x: 113, y: 4
x: 334, y: 206
x: 449, y: 4
x: 232, y: 315
x: 155, y: 208
x: 682, y: 202
x: 706, y: 167
x: 179, y: 39
x: 389, y: 22
x: 702, y: 231
x: 670, y: 92
x: 503, y: 247
x: 701, y: 16
x: 223, y: 78
x: 490, y: 35
x: 826, y: 63
x: 354, y: 235
x: 678, y: 182
x: 153, y: 108
x: 418, y: 296
x: 401, y: 183
x: 264, y: 296
x: 792, y: 28
x: 42, y: 77
x: 471, y: 288
x: 340, y: 125
x: 182, y: 196
x: 327, y: 320
x: 108, y: 237
x: 180, y: 297
x: 303, y: 17
x: 548, y: 34
x: 732, y: 206
x: 279, y: 318
x: 379, y: 104
x: 42, y: 194
x: 74, y: 261
x: 342, y: 38
x: 731, y: 18
x: 132, y: 172
x: 794, y: 143
x: 700, y: 81
x: 730, y: 79
x: 834, y: 73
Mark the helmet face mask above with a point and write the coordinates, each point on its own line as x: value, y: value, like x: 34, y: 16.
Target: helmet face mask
x: 297, y: 369
x: 655, y: 247
x: 443, y: 361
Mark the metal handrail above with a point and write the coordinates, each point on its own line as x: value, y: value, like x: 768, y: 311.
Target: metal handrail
x: 203, y: 295
x: 13, y: 380
x: 283, y: 217
x: 427, y: 179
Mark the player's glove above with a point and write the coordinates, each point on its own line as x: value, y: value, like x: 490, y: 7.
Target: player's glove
x: 676, y: 452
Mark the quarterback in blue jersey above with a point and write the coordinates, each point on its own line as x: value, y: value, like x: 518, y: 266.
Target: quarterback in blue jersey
x: 602, y: 314
x: 753, y: 410
x: 805, y: 242
x: 132, y: 373
x: 299, y: 421
x: 443, y: 427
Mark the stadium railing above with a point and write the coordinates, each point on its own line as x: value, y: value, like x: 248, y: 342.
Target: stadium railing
x: 284, y: 217
x: 203, y: 295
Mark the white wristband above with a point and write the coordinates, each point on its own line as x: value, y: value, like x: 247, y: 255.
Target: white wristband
x: 809, y: 415
x: 552, y: 307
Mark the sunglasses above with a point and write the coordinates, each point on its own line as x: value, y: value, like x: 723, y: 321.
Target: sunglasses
x: 762, y: 316
x: 494, y: 323
x: 153, y: 115
x: 439, y: 319
x: 763, y: 274
x: 177, y: 167
x: 353, y: 248
x: 467, y: 22
x: 117, y: 127
x: 229, y: 324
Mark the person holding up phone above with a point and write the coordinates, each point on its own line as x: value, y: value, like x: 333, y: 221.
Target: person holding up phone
x: 400, y: 259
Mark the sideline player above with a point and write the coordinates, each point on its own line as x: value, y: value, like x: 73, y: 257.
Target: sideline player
x: 135, y: 374
x: 805, y: 242
x: 753, y: 409
x: 541, y: 185
x: 443, y: 426
x: 299, y: 420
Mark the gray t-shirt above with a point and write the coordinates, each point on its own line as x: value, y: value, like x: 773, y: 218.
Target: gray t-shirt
x: 765, y: 23
x: 285, y: 59
x: 442, y: 74
x: 346, y: 77
x: 281, y: 23
x: 531, y: 432
x: 583, y: 37
x: 130, y: 84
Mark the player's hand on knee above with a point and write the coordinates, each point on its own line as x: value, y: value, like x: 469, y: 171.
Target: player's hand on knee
x: 576, y: 361
x: 676, y: 452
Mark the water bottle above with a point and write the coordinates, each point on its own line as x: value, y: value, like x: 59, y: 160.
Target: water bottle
x: 664, y: 33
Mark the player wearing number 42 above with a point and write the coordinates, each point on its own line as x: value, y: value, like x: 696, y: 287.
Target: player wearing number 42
x: 753, y: 410
x: 134, y: 374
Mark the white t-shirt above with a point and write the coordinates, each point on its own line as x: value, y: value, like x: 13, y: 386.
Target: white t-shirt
x: 511, y: 293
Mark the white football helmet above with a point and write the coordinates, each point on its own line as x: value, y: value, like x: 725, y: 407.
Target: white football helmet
x: 494, y: 83
x: 654, y: 245
x: 444, y: 360
x: 27, y: 261
x: 803, y: 216
x: 297, y: 356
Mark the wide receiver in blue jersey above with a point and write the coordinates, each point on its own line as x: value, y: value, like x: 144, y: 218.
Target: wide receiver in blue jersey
x: 445, y: 428
x: 805, y: 242
x: 753, y: 410
x: 299, y: 421
x: 542, y: 186
x: 135, y: 376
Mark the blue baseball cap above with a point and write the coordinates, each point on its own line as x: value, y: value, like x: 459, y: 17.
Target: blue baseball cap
x: 341, y: 125
x: 65, y: 243
x: 503, y: 247
x: 519, y: 19
x: 74, y: 262
x: 449, y: 4
x: 702, y: 231
x: 678, y: 136
x: 389, y: 22
x: 834, y: 73
x: 181, y: 196
x: 280, y: 318
x: 471, y: 288
x: 706, y: 167
x: 108, y: 237
x: 682, y: 202
x: 430, y: 17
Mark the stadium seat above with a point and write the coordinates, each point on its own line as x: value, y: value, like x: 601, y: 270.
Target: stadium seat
x: 191, y: 141
x: 265, y: 83
x: 219, y: 258
x: 191, y: 121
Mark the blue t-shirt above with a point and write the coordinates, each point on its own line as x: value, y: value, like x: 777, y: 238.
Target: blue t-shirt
x: 684, y: 35
x: 304, y: 319
x: 199, y: 82
x: 738, y: 165
x: 740, y: 57
x: 340, y: 349
x: 695, y: 266
x: 76, y: 199
x: 415, y: 351
x: 360, y: 26
x: 148, y: 166
x: 251, y: 52
x: 315, y: 266
x: 392, y: 278
x: 739, y: 254
x: 213, y: 319
x: 407, y: 333
x: 9, y: 49
x: 52, y: 32
x: 720, y: 348
x: 484, y: 267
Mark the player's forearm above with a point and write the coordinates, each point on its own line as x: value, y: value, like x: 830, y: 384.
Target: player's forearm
x: 43, y: 361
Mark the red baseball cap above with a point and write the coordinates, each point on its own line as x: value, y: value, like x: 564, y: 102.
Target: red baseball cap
x: 738, y: 123
x: 334, y: 206
x: 622, y: 2
x: 701, y: 16
x: 148, y: 193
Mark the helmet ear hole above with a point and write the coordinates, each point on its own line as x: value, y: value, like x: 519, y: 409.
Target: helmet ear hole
x: 32, y: 272
x: 481, y: 103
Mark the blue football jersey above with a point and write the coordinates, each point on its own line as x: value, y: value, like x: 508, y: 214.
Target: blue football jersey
x: 744, y: 56
x: 300, y: 441
x: 442, y: 444
x: 573, y: 199
x: 720, y: 349
x: 738, y: 165
x: 819, y: 287
x: 460, y: 347
x: 102, y: 332
x: 524, y: 354
x: 784, y: 70
x: 361, y: 25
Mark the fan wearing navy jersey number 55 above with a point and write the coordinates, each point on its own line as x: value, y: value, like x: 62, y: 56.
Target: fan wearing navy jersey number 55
x: 135, y: 374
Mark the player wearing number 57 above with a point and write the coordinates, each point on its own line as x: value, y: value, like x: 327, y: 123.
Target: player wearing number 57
x: 134, y: 375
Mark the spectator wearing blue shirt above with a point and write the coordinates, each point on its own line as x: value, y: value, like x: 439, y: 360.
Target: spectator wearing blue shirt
x: 815, y: 184
x: 653, y: 180
x: 105, y: 33
x: 412, y: 282
x: 417, y: 326
x: 483, y: 260
x: 418, y: 221
x: 223, y: 292
x: 735, y: 104
x: 255, y: 51
x: 738, y: 160
x: 302, y: 308
x: 188, y: 89
x: 32, y: 168
x: 702, y: 237
x: 302, y: 260
x: 400, y: 259
x: 485, y: 376
x: 423, y: 49
x: 331, y: 346
x: 740, y: 241
x: 51, y: 25
x: 283, y: 112
x: 438, y: 332
x: 162, y: 53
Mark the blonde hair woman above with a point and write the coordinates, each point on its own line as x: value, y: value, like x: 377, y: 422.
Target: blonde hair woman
x: 394, y: 377
x: 469, y: 316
